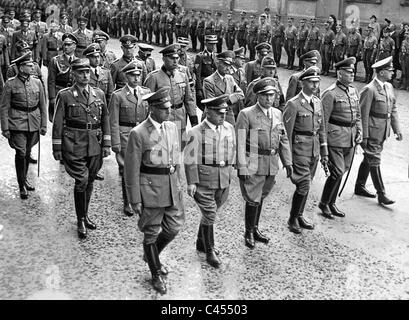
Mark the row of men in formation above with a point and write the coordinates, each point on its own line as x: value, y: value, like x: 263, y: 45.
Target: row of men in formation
x: 145, y: 126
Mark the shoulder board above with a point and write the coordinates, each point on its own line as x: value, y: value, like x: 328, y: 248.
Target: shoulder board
x: 331, y: 87
x: 144, y: 88
x: 117, y: 90
x: 154, y: 71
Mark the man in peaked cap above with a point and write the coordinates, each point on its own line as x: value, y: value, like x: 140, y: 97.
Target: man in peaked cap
x: 210, y: 190
x: 27, y: 35
x: 107, y: 56
x: 294, y: 84
x: 51, y: 45
x: 81, y: 119
x: 263, y: 31
x: 252, y: 69
x: 342, y: 118
x: 242, y: 30
x: 378, y: 116
x: 386, y: 46
x: 369, y: 52
x: 186, y: 64
x: 238, y: 71
x: 7, y: 31
x: 153, y: 158
x: 126, y: 110
x: 257, y: 155
x: 144, y: 53
x: 222, y: 82
x: 59, y: 70
x: 83, y: 35
x: 128, y: 44
x: 40, y: 28
x: 205, y: 65
x: 29, y: 117
x: 181, y: 95
x: 64, y: 27
x: 230, y: 31
x: 277, y: 38
x: 308, y: 141
x: 404, y: 56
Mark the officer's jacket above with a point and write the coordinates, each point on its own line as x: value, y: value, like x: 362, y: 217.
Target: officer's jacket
x: 387, y: 44
x: 252, y: 28
x: 205, y: 65
x: 30, y: 37
x: 125, y: 112
x: 305, y: 126
x: 251, y: 97
x: 146, y: 148
x: 230, y: 29
x: 23, y: 105
x: 354, y: 39
x: 378, y: 111
x: 180, y: 92
x: 260, y: 141
x: 328, y: 36
x: 50, y: 47
x: 340, y: 39
x: 150, y: 64
x: 302, y: 34
x: 73, y: 109
x: 118, y: 77
x: 205, y: 146
x: 103, y: 81
x: 84, y: 40
x: 65, y: 28
x: 240, y: 78
x: 370, y: 42
x: 290, y: 33
x: 107, y: 58
x: 252, y: 69
x: 38, y: 27
x: 59, y: 74
x: 314, y: 34
x: 4, y: 53
x: 277, y: 30
x: 263, y: 33
x: 214, y: 86
x: 342, y: 115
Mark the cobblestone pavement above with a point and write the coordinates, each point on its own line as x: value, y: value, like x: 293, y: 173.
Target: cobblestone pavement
x: 363, y: 256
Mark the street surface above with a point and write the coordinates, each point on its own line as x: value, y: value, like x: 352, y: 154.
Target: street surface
x: 362, y: 256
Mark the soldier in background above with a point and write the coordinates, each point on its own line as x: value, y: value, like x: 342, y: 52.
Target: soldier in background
x: 156, y: 24
x: 230, y: 31
x: 200, y: 31
x: 313, y: 41
x: 142, y: 23
x: 162, y: 27
x: 149, y: 25
x: 301, y: 39
x: 93, y: 15
x: 51, y: 44
x: 277, y: 38
x: 64, y: 27
x: 290, y: 36
x: 369, y: 53
x: 218, y: 29
x: 83, y: 35
x: 170, y: 25
x: 340, y: 44
x: 40, y: 29
x: 252, y: 31
x: 194, y: 21
x: 135, y: 20
x: 404, y: 58
x: 326, y: 48
x: 241, y: 31
x: 185, y: 29
x: 7, y: 31
x: 27, y: 35
x: 239, y: 76
x: 386, y: 46
x: 4, y: 55
x: 14, y: 23
x: 252, y: 69
x: 178, y: 22
x: 209, y: 23
x: 144, y: 54
x: 186, y: 61
x: 354, y: 45
x: 107, y: 56
x: 263, y: 31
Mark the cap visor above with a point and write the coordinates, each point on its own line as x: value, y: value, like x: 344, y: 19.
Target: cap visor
x: 164, y: 105
x: 313, y: 79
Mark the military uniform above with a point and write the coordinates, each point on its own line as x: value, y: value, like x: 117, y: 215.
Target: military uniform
x: 252, y: 32
x: 251, y: 97
x: 277, y: 40
x: 40, y: 29
x: 301, y: 39
x: 65, y: 29
x: 185, y: 28
x: 290, y: 36
x: 23, y: 116
x: 4, y: 55
x: 187, y: 65
x: 156, y: 26
x: 304, y: 122
x: 386, y: 48
x: 218, y: 30
x: 238, y: 72
x: 230, y: 34
x: 31, y: 38
x: 313, y: 41
x: 125, y: 20
x: 135, y: 18
x: 209, y: 170
x: 261, y: 140
x: 149, y: 25
x: 107, y: 57
x: 84, y: 40
x: 342, y: 118
x: 51, y: 47
x: 404, y: 58
x: 241, y: 32
x: 170, y: 26
x: 354, y: 46
x: 143, y: 25
x: 118, y: 77
x: 162, y: 27
x: 200, y: 32
x: 340, y: 43
x: 7, y: 32
x: 194, y: 21
x: 151, y: 172
x: 178, y: 24
x: 326, y: 50
x: 369, y: 47
x: 263, y: 34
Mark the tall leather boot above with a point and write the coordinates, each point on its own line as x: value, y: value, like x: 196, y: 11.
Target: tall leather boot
x: 329, y: 186
x: 199, y: 242
x: 363, y: 174
x: 211, y: 256
x: 332, y: 206
x: 80, y: 208
x: 29, y: 186
x: 20, y: 164
x: 151, y: 254
x: 88, y: 223
x: 250, y: 221
x: 127, y: 207
x: 258, y: 236
x: 293, y: 223
x: 305, y: 224
x: 161, y: 242
x: 379, y: 186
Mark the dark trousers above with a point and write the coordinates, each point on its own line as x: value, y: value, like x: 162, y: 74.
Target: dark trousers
x: 300, y: 52
x: 83, y: 170
x: 169, y: 33
x: 326, y: 56
x: 219, y: 45
x: 290, y: 50
x: 163, y: 34
x: 193, y: 37
x: 368, y: 62
x: 277, y: 47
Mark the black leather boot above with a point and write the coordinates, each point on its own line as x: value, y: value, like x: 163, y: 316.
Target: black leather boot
x: 199, y: 242
x: 332, y: 206
x: 32, y: 160
x: 161, y: 242
x: 329, y: 186
x: 304, y: 224
x: 258, y: 236
x: 211, y: 256
x: 250, y: 220
x: 152, y: 256
x: 20, y: 164
x: 80, y: 208
x: 379, y: 186
x: 363, y: 174
x: 293, y: 223
x: 127, y: 207
x: 88, y: 223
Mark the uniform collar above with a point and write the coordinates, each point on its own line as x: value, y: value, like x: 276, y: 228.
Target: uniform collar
x: 211, y: 125
x: 308, y: 98
x: 156, y: 124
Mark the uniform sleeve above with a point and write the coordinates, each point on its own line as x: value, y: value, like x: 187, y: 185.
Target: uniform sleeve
x: 292, y: 88
x: 189, y: 100
x: 58, y: 122
x: 132, y: 165
x: 365, y: 103
x: 5, y: 106
x: 114, y: 73
x: 327, y: 105
x: 284, y: 148
x: 323, y: 137
x: 237, y: 94
x: 208, y: 89
x: 43, y: 106
x: 242, y: 131
x: 250, y: 97
x: 113, y: 108
x: 110, y: 87
x: 394, y: 117
x: 106, y: 130
x: 52, y: 70
x: 289, y: 116
x: 150, y: 82
x: 198, y: 71
x: 191, y: 153
x: 44, y: 50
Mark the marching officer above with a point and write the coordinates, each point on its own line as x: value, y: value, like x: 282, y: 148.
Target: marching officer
x: 263, y: 31
x: 369, y: 48
x: 313, y: 41
x: 27, y: 35
x: 261, y: 139
x: 64, y: 27
x: 354, y: 45
x: 51, y: 44
x: 152, y: 179
x: 342, y: 118
x: 144, y: 54
x: 107, y: 56
x: 181, y: 96
x: 59, y: 70
x: 340, y: 43
x: 23, y: 94
x: 277, y: 38
x: 81, y: 137
x: 230, y: 31
x: 378, y: 113
x: 241, y: 31
x: 309, y: 59
x: 252, y: 31
x: 404, y: 58
x: 290, y: 36
x: 209, y: 170
x: 386, y: 45
x: 194, y: 21
x: 252, y: 69
x: 302, y: 35
x: 126, y: 110
x: 304, y: 122
x: 218, y: 30
x: 83, y: 35
x: 326, y: 48
x: 128, y: 43
x: 222, y: 82
x: 205, y: 65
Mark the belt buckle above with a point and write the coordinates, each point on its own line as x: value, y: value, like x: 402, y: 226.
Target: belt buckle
x: 89, y: 126
x: 389, y: 115
x: 273, y: 152
x: 222, y: 163
x: 172, y: 169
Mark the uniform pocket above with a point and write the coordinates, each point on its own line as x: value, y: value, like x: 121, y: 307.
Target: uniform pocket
x: 68, y: 141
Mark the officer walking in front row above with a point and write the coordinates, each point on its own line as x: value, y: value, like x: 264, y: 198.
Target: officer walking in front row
x: 81, y: 137
x: 344, y: 130
x: 23, y: 117
x: 378, y: 113
x: 126, y: 110
x: 261, y: 138
x: 209, y: 156
x: 151, y: 172
x: 303, y: 119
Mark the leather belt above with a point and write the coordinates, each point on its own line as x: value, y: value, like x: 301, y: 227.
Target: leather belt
x: 305, y: 133
x: 380, y: 115
x: 52, y: 49
x: 127, y: 124
x: 85, y: 126
x: 221, y: 163
x: 154, y: 170
x: 342, y: 123
x: 177, y: 106
x: 263, y: 152
x: 26, y: 109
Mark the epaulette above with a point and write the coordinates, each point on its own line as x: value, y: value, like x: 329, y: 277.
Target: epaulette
x: 331, y: 87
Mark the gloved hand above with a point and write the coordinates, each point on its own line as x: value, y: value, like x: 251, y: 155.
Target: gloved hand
x: 137, y: 207
x: 43, y: 131
x: 106, y: 152
x: 51, y: 108
x: 116, y: 149
x: 289, y: 170
x: 57, y: 155
x: 6, y: 134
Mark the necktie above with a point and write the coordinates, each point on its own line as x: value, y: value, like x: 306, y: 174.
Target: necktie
x: 85, y: 93
x: 312, y: 104
x: 96, y: 72
x: 268, y: 113
x: 135, y: 94
x: 69, y: 59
